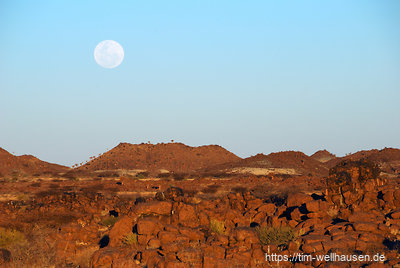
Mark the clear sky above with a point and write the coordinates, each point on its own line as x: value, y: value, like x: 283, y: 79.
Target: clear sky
x: 251, y: 76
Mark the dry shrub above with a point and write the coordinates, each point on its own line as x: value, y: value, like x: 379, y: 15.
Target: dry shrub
x: 109, y: 221
x: 10, y: 237
x: 164, y: 175
x: 48, y: 193
x: 35, y: 252
x: 179, y: 176
x: 142, y: 175
x: 240, y: 189
x: 279, y: 236
x: 54, y: 186
x: 218, y: 174
x: 47, y: 219
x: 93, y: 188
x: 130, y: 239
x: 191, y: 192
x: 108, y: 174
x: 217, y: 226
x: 275, y: 194
x: 211, y: 189
x: 36, y: 184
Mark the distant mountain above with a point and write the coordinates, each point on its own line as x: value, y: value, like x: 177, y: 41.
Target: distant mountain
x: 174, y: 157
x: 26, y: 164
x: 323, y: 156
x: 388, y: 159
x: 287, y: 162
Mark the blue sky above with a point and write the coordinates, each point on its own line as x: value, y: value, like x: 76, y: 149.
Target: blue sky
x: 251, y: 76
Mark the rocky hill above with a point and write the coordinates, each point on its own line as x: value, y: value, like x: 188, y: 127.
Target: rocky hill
x: 26, y: 164
x: 388, y: 159
x: 287, y: 162
x: 323, y: 156
x: 174, y: 157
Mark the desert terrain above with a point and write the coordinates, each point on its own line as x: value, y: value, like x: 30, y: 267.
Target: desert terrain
x: 172, y: 205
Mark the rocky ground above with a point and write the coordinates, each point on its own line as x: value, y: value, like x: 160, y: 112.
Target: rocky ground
x: 212, y: 218
x: 203, y: 223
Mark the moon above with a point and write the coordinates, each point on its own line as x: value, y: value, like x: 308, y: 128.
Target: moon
x: 109, y: 54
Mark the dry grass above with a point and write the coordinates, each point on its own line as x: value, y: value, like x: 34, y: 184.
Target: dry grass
x: 10, y: 237
x: 217, y: 226
x: 130, y: 239
x: 35, y: 252
x: 109, y: 221
x: 279, y: 236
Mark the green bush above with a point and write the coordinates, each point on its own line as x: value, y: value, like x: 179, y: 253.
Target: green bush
x: 279, y: 236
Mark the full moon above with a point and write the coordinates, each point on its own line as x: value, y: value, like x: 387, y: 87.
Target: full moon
x: 109, y: 54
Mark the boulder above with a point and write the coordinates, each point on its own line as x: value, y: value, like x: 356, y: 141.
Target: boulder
x: 297, y: 199
x: 153, y: 207
x: 190, y: 256
x: 120, y: 229
x: 147, y: 226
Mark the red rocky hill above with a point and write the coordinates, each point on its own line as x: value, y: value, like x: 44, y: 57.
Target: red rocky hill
x: 388, y: 159
x: 26, y: 164
x: 323, y: 156
x: 298, y: 162
x: 174, y: 157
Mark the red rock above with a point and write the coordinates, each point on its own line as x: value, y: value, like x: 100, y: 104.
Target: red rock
x: 395, y: 214
x: 176, y: 264
x: 148, y: 254
x: 153, y: 207
x: 242, y: 233
x: 218, y: 240
x: 313, y: 205
x: 212, y: 262
x: 372, y: 238
x: 153, y: 243
x: 105, y: 257
x: 187, y: 215
x: 120, y: 229
x: 147, y: 226
x: 190, y: 255
x: 193, y: 235
x: 365, y: 226
x: 143, y: 239
x: 297, y: 199
x: 254, y: 204
x: 330, y: 244
x: 167, y: 237
x: 214, y: 251
x: 242, y: 259
x: 296, y: 215
x: 268, y: 208
x: 313, y: 238
x: 312, y: 247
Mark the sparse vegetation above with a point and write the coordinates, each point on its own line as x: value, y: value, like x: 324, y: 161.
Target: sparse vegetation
x: 217, y: 226
x: 9, y: 237
x: 109, y: 221
x: 211, y: 189
x: 142, y: 175
x: 279, y: 236
x: 130, y: 239
x: 108, y: 174
x: 239, y: 189
x: 179, y: 176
